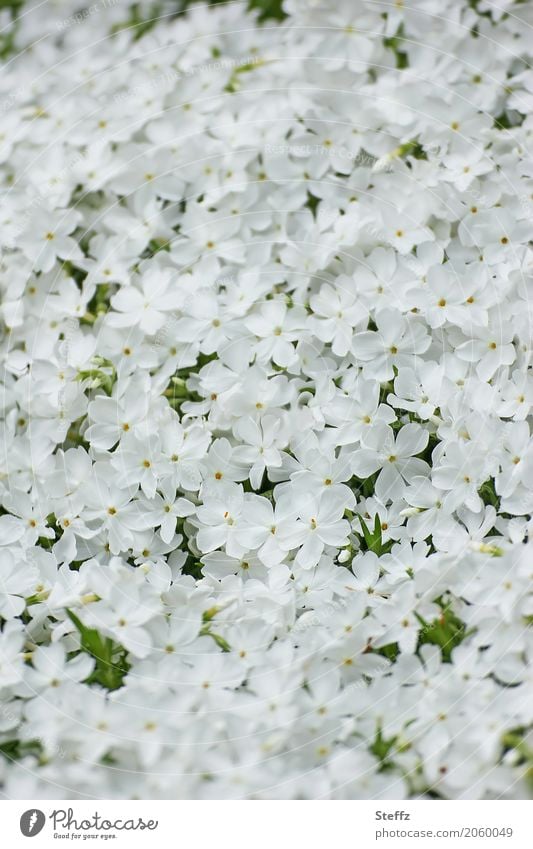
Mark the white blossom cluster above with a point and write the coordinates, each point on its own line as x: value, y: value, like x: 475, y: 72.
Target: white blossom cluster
x: 266, y: 470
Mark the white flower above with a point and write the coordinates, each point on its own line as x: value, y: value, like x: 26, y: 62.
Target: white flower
x: 146, y: 303
x: 51, y: 669
x: 277, y: 328
x: 113, y: 417
x: 261, y: 444
x: 396, y: 343
x: 490, y: 347
x: 47, y: 237
x: 393, y: 456
x: 368, y: 578
x: 15, y: 584
x: 219, y: 518
x: 461, y: 473
x: 164, y: 510
x: 320, y: 523
x: 337, y: 311
x: 137, y: 461
x: 112, y: 508
x: 265, y: 528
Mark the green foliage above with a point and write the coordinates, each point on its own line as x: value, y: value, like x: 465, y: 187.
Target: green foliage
x: 363, y: 487
x: 207, y: 618
x: 395, y: 44
x: 201, y: 361
x: 177, y: 390
x: 104, y: 376
x: 139, y: 23
x: 155, y: 246
x: 312, y: 203
x: 372, y: 540
x: 14, y: 750
x: 268, y: 9
x: 74, y: 437
x: 220, y: 641
x: 518, y: 741
x: 447, y: 632
x: 488, y: 494
x: 8, y: 33
x: 111, y: 663
x: 433, y: 441
x: 382, y: 748
x: 100, y: 302
x: 414, y: 149
x: 193, y: 567
x: 390, y: 651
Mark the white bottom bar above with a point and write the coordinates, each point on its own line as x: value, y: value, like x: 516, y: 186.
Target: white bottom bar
x: 264, y: 825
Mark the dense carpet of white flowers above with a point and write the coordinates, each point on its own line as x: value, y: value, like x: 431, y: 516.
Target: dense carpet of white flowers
x: 266, y: 470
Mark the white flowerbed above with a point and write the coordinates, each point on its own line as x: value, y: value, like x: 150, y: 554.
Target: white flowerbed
x: 266, y: 479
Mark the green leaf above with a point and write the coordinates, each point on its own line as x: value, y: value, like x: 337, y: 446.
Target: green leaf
x: 382, y: 747
x: 447, y: 632
x: 268, y: 9
x: 111, y: 658
x: 99, y: 378
x: 220, y: 641
x: 373, y: 540
x: 390, y: 651
x: 488, y: 495
x: 14, y: 750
